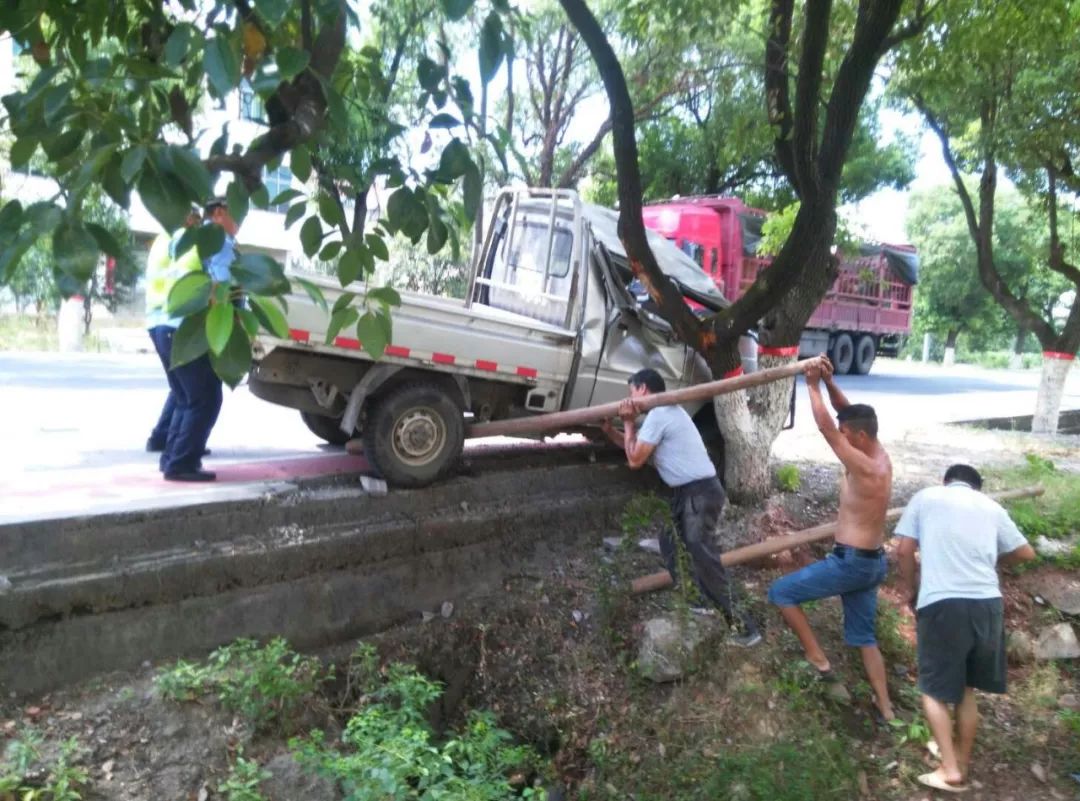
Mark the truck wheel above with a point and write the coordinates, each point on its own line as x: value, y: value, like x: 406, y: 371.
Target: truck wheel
x: 414, y: 434
x: 325, y: 428
x: 842, y: 354
x: 865, y: 351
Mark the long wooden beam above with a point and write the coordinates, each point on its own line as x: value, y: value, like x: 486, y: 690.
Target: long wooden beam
x: 748, y: 553
x: 560, y: 421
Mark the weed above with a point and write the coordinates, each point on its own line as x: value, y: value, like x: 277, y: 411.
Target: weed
x: 243, y: 781
x: 264, y: 684
x: 894, y: 646
x: 787, y: 476
x: 1054, y: 515
x: 391, y: 750
x: 644, y: 514
x: 917, y: 730
x: 63, y: 780
x: 24, y: 751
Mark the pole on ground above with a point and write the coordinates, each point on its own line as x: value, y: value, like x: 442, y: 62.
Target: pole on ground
x: 748, y: 553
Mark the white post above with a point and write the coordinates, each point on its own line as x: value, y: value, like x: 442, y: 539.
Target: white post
x: 69, y: 324
x: 1055, y: 370
x: 926, y: 347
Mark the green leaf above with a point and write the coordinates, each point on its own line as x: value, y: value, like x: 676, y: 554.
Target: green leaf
x: 386, y: 295
x: 455, y: 160
x: 456, y: 9
x: 291, y: 62
x: 192, y: 173
x: 188, y: 239
x: 55, y: 103
x: 474, y: 193
x: 296, y: 211
x: 189, y: 341
x: 273, y: 11
x: 300, y: 163
x: 11, y: 254
x: 491, y: 48
x: 260, y: 198
x: 406, y: 213
x: 42, y: 217
x: 221, y: 62
x: 62, y: 146
x: 11, y: 218
x: 444, y: 121
x: 164, y: 198
x: 189, y: 295
x: 106, y: 241
x: 209, y: 238
x: 219, y: 326
x: 342, y: 318
x: 22, y: 151
x: 311, y: 236
x: 372, y: 335
x: 132, y: 163
x: 335, y: 105
x: 176, y: 46
x: 437, y: 235
x: 249, y: 321
x: 271, y: 316
x: 286, y: 196
x: 260, y: 274
x: 233, y: 363
x: 329, y: 210
x: 344, y: 299
x: 313, y: 292
x: 377, y: 245
x: 350, y: 266
x: 430, y: 74
x: 330, y: 250
x: 237, y: 198
x: 75, y: 250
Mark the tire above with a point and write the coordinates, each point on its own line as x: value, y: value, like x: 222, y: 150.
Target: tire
x: 325, y: 428
x: 414, y: 434
x: 842, y: 354
x: 865, y: 352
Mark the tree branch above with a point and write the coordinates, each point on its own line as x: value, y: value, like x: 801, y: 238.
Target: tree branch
x: 777, y: 86
x: 1057, y: 262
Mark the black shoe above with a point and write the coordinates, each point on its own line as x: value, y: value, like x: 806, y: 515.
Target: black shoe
x: 191, y: 475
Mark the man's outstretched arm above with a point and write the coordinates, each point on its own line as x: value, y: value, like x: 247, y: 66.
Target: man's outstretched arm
x: 836, y: 397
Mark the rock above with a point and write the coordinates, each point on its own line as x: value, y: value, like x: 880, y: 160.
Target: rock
x: 289, y: 781
x: 1057, y: 642
x: 427, y: 616
x: 650, y: 545
x: 375, y: 487
x: 1050, y: 548
x: 1020, y: 648
x: 667, y: 647
x: 1069, y: 701
x: 1038, y: 771
x: 1062, y: 593
x: 613, y: 543
x: 446, y: 609
x: 5, y: 584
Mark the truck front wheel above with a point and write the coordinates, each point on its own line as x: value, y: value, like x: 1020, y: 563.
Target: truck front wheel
x: 325, y: 428
x: 842, y: 354
x: 865, y: 351
x: 414, y: 434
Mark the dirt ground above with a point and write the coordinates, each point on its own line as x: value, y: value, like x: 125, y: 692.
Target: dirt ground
x: 554, y: 657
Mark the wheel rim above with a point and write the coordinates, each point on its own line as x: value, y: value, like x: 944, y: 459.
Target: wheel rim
x: 419, y: 436
x: 844, y: 353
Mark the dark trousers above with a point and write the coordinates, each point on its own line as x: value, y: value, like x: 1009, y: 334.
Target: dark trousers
x: 695, y: 509
x: 159, y: 437
x: 196, y: 391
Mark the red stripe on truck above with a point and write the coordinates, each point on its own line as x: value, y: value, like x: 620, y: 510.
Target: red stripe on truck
x: 442, y: 358
x: 299, y: 336
x: 397, y: 350
x: 527, y: 372
x: 345, y: 342
x: 483, y: 364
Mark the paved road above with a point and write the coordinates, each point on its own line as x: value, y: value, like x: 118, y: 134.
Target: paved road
x: 75, y: 427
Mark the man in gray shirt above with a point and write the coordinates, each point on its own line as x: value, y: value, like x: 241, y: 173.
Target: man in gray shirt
x: 962, y: 536
x: 670, y: 440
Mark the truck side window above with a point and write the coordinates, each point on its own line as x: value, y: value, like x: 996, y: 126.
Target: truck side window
x: 518, y: 282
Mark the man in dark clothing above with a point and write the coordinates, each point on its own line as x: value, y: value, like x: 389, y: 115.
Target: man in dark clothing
x: 669, y: 439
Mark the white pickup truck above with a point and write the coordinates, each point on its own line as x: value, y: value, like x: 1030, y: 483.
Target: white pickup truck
x: 548, y: 324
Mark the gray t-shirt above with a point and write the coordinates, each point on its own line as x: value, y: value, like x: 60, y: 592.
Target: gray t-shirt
x: 680, y: 456
x: 961, y: 533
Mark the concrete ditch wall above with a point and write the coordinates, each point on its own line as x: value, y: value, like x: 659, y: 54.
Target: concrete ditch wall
x: 89, y: 595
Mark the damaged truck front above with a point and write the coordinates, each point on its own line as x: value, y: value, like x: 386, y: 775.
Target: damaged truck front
x: 548, y: 324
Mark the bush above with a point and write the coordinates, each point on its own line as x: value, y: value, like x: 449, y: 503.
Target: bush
x: 23, y: 767
x: 243, y: 782
x: 787, y: 476
x: 1055, y: 514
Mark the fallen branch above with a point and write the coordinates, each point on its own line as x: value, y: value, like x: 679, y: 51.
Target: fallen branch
x: 786, y: 542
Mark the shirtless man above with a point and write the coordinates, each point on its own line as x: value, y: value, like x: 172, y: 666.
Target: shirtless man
x: 857, y: 564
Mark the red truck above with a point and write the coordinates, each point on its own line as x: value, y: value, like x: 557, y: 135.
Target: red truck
x: 866, y: 312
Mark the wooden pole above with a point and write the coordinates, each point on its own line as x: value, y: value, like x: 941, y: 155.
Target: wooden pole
x: 558, y: 421
x: 785, y: 542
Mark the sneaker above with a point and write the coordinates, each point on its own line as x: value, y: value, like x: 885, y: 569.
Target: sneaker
x: 191, y: 475
x: 746, y: 640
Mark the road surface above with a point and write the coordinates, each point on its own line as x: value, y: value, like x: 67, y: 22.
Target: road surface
x: 75, y: 426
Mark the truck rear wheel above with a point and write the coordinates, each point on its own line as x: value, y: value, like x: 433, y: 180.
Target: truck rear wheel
x: 842, y: 354
x: 325, y: 428
x: 414, y: 434
x: 865, y: 351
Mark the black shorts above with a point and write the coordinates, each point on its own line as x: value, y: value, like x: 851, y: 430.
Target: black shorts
x: 961, y: 644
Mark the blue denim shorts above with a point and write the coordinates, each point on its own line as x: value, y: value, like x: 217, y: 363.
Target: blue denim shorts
x: 852, y: 576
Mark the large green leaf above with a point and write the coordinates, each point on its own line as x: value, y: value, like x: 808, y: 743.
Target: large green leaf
x: 372, y: 335
x: 192, y: 173
x: 313, y: 292
x: 11, y: 218
x: 273, y: 11
x: 209, y: 238
x: 106, y: 241
x: 259, y: 274
x: 377, y: 245
x: 249, y: 321
x: 189, y: 341
x: 295, y: 212
x: 22, y: 151
x: 455, y: 160
x: 473, y: 187
x: 329, y: 210
x: 343, y: 300
x: 386, y: 295
x: 491, y: 47
x: 311, y: 236
x: 60, y: 147
x: 176, y: 46
x: 406, y: 213
x: 221, y: 61
x: 342, y: 318
x: 75, y: 250
x: 300, y: 163
x: 219, y: 326
x: 456, y: 9
x: 165, y: 198
x: 233, y: 363
x: 190, y: 294
x: 291, y: 62
x: 237, y: 197
x: 271, y: 316
x: 350, y: 265
x: 437, y: 235
x: 132, y: 163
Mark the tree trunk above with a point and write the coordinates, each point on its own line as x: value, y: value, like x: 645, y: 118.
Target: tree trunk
x: 1055, y: 371
x: 1016, y: 361
x: 950, y: 348
x: 750, y: 422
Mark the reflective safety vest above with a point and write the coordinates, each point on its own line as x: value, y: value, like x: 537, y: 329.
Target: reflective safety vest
x: 162, y: 273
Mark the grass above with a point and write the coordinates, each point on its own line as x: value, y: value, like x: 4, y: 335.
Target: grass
x: 1055, y: 514
x: 20, y: 332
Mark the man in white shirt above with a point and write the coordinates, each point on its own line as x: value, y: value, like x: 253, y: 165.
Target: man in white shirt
x: 669, y: 440
x: 962, y: 536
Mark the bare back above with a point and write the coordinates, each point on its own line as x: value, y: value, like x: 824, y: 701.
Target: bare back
x: 865, y: 489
